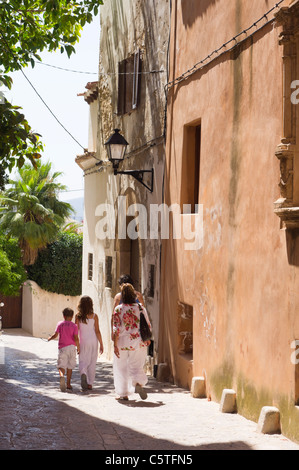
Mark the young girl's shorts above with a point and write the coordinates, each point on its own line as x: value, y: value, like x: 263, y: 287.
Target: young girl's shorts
x: 67, y: 357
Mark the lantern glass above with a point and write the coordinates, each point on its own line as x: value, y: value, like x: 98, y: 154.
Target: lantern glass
x: 117, y: 152
x: 116, y: 147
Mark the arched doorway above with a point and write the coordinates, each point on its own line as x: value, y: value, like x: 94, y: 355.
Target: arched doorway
x: 128, y: 256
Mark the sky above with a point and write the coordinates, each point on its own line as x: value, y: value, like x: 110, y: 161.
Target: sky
x: 59, y: 90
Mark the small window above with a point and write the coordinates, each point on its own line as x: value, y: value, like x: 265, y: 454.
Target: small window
x: 191, y: 166
x: 129, y: 84
x: 151, y: 281
x: 90, y: 266
x: 108, y: 272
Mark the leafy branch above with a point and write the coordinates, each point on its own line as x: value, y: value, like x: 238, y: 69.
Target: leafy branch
x: 28, y: 27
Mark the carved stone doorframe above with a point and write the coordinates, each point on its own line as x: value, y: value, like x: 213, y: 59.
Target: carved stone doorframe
x: 287, y: 152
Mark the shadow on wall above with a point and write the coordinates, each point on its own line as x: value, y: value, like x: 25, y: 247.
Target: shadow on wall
x: 192, y: 9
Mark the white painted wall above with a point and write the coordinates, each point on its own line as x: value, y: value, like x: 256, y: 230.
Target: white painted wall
x: 42, y: 310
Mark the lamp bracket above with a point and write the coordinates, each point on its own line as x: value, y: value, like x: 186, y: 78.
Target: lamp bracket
x: 138, y: 175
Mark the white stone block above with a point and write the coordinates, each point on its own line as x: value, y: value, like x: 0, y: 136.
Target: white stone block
x: 228, y: 402
x: 269, y: 421
x: 198, y: 387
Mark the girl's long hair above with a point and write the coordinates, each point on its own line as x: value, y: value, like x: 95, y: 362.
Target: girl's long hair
x: 85, y: 307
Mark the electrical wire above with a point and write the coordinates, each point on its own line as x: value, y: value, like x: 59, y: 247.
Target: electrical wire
x: 49, y: 109
x: 71, y: 190
x: 146, y: 146
x: 64, y: 69
x: 100, y: 73
x: 199, y: 65
x: 35, y: 90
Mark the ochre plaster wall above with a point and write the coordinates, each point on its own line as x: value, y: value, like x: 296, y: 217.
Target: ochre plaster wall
x: 243, y: 283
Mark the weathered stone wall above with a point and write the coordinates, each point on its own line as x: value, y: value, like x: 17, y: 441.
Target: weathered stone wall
x: 127, y: 26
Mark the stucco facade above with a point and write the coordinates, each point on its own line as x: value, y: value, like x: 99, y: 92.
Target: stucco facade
x: 237, y: 295
x: 42, y: 310
x: 129, y: 96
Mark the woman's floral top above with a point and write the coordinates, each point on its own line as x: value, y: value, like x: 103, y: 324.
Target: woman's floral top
x: 126, y: 320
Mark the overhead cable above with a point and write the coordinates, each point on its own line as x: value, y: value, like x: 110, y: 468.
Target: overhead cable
x: 35, y: 90
x: 99, y: 73
x: 199, y: 65
x: 49, y: 109
x: 64, y: 69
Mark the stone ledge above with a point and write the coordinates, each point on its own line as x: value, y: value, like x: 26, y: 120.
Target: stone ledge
x: 289, y: 216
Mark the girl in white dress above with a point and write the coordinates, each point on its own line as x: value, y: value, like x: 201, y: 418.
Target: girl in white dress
x: 89, y: 336
x: 129, y: 349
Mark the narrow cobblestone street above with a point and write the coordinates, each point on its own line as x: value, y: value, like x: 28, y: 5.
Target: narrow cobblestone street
x: 36, y: 415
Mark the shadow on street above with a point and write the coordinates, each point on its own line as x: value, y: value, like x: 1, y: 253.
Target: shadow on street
x: 35, y: 415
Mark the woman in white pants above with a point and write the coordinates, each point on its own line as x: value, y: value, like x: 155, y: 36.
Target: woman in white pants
x: 129, y: 349
x: 90, y: 337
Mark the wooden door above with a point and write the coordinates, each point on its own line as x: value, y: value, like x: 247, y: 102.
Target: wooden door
x: 11, y: 313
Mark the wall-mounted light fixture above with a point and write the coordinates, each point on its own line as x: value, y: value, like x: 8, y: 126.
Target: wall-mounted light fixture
x: 116, y: 148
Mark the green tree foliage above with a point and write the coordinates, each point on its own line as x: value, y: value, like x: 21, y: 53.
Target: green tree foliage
x: 27, y: 27
x: 3, y: 178
x: 12, y: 272
x: 17, y: 141
x: 58, y: 268
x: 30, y: 210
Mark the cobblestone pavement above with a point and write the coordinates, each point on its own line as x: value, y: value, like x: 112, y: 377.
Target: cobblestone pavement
x: 36, y: 415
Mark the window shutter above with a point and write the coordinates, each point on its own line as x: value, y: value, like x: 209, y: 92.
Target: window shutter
x: 129, y: 83
x: 121, y: 87
x: 136, y: 81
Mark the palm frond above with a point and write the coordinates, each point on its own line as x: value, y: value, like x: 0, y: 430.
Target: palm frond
x: 30, y: 209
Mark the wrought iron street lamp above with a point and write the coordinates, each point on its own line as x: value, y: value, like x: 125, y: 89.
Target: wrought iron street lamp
x: 116, y: 148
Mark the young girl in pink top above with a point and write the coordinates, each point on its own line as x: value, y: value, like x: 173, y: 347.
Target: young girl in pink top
x: 68, y: 340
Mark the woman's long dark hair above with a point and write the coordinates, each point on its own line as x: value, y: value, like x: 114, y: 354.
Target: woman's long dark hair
x: 85, y: 307
x: 128, y: 294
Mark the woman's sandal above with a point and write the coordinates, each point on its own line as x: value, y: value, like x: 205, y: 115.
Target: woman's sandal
x: 84, y: 384
x: 62, y: 384
x: 141, y: 391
